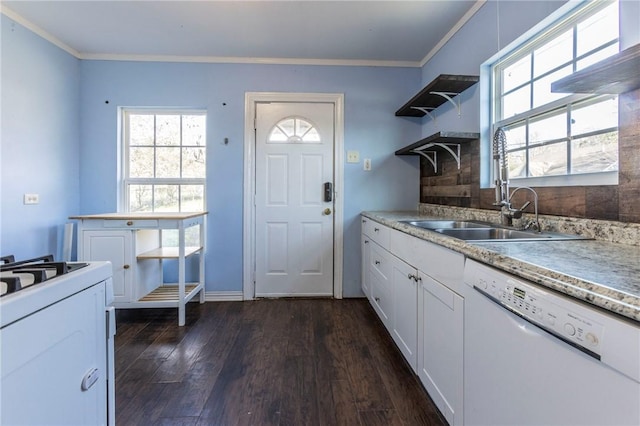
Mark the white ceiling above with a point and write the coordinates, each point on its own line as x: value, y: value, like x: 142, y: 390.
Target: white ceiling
x: 397, y: 32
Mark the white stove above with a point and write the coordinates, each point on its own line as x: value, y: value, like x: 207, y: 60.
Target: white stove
x: 56, y: 332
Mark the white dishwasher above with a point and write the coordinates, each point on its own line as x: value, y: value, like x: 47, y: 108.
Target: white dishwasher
x: 534, y: 357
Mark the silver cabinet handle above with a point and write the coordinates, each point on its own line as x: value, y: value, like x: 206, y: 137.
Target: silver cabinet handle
x: 416, y: 278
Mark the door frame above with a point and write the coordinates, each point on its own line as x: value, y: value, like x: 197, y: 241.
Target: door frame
x: 249, y: 212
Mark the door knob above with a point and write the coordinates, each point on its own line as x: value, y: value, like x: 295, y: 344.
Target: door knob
x: 327, y: 211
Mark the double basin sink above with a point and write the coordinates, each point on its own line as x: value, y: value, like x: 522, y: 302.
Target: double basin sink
x: 485, y: 231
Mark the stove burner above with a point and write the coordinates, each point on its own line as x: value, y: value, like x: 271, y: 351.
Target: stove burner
x: 18, y: 275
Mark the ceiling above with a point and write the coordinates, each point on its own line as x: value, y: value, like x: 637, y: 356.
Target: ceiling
x: 401, y: 33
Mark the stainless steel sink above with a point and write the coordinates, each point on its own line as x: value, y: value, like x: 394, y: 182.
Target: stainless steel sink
x: 484, y: 231
x: 502, y: 234
x: 447, y: 224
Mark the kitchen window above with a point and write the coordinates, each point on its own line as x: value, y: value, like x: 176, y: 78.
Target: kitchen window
x: 164, y: 164
x: 558, y: 134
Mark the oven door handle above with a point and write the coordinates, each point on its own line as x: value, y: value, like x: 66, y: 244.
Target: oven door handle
x: 111, y: 321
x: 110, y: 312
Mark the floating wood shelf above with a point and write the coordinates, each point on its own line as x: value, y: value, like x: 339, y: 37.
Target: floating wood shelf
x: 442, y: 89
x: 617, y: 74
x: 441, y: 141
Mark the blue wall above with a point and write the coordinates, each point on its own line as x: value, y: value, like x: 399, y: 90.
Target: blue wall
x: 40, y: 142
x: 372, y: 94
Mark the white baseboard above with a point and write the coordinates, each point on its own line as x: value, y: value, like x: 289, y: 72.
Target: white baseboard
x: 223, y: 296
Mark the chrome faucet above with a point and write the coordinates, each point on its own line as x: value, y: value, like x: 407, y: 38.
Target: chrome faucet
x: 501, y: 173
x: 503, y: 199
x: 510, y: 213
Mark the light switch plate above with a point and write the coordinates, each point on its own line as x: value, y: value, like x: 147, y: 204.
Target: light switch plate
x: 353, y: 157
x: 367, y: 164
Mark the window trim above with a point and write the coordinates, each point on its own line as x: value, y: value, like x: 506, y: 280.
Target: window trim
x: 557, y: 23
x: 126, y: 181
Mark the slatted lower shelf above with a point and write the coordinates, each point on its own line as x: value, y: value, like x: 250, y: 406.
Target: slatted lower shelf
x: 167, y: 293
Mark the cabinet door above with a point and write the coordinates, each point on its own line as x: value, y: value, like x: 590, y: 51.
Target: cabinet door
x: 117, y: 248
x: 404, y: 329
x: 440, y: 361
x: 366, y: 243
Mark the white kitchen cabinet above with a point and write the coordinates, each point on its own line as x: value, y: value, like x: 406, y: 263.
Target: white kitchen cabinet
x: 377, y: 232
x: 425, y: 316
x: 115, y: 247
x: 393, y: 287
x: 404, y: 330
x: 380, y: 279
x: 365, y: 280
x: 440, y: 347
x: 132, y: 242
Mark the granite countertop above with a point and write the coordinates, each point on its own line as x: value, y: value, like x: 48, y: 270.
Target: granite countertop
x: 601, y: 273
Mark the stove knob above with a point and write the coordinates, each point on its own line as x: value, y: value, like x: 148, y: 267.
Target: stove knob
x: 570, y: 329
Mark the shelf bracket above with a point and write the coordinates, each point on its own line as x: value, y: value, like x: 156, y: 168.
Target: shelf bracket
x: 447, y: 96
x: 433, y: 160
x: 446, y: 146
x: 426, y: 110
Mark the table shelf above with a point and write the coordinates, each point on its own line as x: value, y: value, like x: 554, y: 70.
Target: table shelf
x: 167, y: 253
x: 130, y: 241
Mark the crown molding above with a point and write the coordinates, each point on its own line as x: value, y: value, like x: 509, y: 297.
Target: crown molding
x: 249, y: 60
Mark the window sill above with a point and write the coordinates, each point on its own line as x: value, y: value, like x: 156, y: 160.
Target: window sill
x: 586, y: 179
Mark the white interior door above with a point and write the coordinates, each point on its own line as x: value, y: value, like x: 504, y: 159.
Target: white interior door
x: 294, y: 215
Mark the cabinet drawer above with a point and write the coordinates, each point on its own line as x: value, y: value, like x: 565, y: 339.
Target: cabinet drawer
x: 381, y: 299
x: 379, y: 261
x: 143, y: 223
x: 442, y: 264
x: 366, y: 253
x: 377, y: 232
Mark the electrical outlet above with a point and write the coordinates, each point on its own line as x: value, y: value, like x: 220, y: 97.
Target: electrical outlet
x: 367, y: 164
x: 353, y: 157
x: 31, y: 198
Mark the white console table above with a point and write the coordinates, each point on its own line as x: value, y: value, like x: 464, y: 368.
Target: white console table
x: 132, y: 242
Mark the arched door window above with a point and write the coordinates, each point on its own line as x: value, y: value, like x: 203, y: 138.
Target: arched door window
x: 294, y: 130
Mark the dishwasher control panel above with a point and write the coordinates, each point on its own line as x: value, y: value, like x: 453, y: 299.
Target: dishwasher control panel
x: 556, y: 315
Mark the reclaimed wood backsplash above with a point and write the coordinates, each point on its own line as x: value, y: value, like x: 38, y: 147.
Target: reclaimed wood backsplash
x: 453, y: 187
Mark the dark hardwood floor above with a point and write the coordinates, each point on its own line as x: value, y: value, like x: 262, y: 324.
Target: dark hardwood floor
x: 267, y: 362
